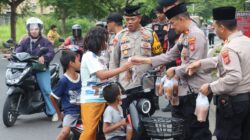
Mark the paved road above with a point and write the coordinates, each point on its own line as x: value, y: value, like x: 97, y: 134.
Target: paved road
x: 38, y: 126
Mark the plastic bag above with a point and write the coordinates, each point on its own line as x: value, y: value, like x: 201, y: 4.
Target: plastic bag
x: 168, y: 88
x: 175, y: 98
x: 202, y: 107
x: 158, y: 87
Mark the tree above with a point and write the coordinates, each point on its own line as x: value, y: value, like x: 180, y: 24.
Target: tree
x: 63, y: 9
x: 13, y: 6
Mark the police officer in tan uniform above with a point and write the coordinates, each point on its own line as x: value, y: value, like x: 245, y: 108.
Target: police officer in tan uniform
x: 232, y: 88
x: 114, y: 26
x: 131, y: 41
x: 194, y: 45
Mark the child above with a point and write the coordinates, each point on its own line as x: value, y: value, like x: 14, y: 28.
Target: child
x: 93, y: 71
x: 114, y: 123
x: 68, y: 91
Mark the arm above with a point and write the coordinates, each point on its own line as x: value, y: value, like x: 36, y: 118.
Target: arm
x: 51, y: 53
x: 168, y: 57
x: 107, y: 127
x: 105, y: 74
x: 232, y: 77
x: 20, y: 47
x: 54, y: 102
x: 197, y: 50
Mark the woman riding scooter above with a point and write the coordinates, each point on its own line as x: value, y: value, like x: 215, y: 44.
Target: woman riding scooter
x: 32, y: 45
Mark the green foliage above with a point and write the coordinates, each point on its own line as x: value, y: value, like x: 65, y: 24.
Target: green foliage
x: 48, y: 20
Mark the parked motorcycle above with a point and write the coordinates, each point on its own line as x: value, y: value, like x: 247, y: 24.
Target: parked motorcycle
x: 139, y: 106
x: 24, y: 95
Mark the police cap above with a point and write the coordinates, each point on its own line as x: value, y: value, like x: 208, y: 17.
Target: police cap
x: 176, y: 10
x: 132, y: 10
x: 115, y: 17
x: 224, y: 13
x: 166, y: 2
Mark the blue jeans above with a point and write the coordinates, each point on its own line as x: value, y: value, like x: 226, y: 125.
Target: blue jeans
x: 43, y: 79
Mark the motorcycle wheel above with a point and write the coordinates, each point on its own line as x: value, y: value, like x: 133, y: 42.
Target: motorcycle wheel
x: 9, y: 111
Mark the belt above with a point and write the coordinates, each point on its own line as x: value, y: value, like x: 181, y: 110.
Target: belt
x: 241, y: 97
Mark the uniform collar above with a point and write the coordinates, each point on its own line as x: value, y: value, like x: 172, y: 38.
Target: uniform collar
x: 191, y: 25
x: 234, y: 35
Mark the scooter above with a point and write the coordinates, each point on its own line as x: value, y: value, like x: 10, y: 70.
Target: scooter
x: 138, y: 106
x: 24, y: 96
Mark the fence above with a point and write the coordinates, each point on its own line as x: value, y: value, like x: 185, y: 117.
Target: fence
x: 4, y: 19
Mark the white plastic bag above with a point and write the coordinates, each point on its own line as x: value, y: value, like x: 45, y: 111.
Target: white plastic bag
x: 175, y: 98
x: 202, y: 107
x: 168, y: 88
x: 158, y: 87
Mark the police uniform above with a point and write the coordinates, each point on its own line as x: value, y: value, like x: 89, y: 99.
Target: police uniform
x: 233, y: 86
x: 194, y: 47
x: 127, y: 44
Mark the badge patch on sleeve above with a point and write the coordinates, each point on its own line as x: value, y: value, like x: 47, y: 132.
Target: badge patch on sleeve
x: 225, y: 56
x: 191, y: 42
x: 115, y: 41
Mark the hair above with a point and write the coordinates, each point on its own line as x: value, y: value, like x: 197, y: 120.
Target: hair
x: 52, y: 26
x: 229, y: 24
x: 118, y: 23
x: 95, y: 39
x: 66, y: 58
x: 111, y: 92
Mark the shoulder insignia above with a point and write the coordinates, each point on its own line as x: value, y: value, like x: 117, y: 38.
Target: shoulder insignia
x: 191, y: 42
x: 225, y: 56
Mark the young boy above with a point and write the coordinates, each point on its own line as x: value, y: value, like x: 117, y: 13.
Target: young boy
x: 68, y: 91
x: 114, y: 123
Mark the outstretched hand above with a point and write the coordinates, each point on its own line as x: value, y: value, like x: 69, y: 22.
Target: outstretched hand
x: 137, y: 60
x: 193, y: 67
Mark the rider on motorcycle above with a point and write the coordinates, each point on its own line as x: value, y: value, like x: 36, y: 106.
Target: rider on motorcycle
x: 32, y: 45
x: 76, y: 38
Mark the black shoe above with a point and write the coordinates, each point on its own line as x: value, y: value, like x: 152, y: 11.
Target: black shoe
x: 168, y: 108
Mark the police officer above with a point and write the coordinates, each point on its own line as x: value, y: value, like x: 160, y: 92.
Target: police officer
x: 114, y: 26
x: 131, y: 41
x: 194, y: 44
x: 232, y: 88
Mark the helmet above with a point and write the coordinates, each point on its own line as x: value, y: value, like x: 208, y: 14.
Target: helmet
x: 34, y: 21
x: 76, y: 30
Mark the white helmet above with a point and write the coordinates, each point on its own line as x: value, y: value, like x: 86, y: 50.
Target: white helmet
x: 34, y: 21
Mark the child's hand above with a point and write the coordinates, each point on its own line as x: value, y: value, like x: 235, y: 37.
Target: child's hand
x: 123, y: 122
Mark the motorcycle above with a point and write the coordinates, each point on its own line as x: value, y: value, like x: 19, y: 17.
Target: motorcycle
x: 139, y: 106
x: 23, y: 95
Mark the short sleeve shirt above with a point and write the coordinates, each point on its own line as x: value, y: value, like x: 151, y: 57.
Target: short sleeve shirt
x: 68, y: 91
x: 113, y: 116
x: 90, y: 64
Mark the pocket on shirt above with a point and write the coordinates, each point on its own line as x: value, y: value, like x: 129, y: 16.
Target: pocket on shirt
x: 126, y: 51
x: 145, y: 49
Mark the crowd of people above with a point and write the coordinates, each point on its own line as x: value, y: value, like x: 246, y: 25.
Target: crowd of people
x: 124, y: 53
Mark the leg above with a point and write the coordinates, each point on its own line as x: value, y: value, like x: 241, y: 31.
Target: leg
x: 246, y: 126
x: 43, y: 79
x: 230, y: 128
x: 91, y: 114
x: 64, y: 134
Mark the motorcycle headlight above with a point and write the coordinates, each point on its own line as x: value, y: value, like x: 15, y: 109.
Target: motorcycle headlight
x: 144, y: 106
x: 14, y: 76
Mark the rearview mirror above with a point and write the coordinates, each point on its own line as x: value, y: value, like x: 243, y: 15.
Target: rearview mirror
x: 6, y: 45
x: 43, y: 50
x: 10, y: 40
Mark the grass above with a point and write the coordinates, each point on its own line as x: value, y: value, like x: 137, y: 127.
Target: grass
x: 5, y: 31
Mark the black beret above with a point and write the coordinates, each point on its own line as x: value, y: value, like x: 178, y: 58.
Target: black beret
x: 115, y: 17
x: 132, y: 10
x: 224, y: 13
x: 166, y: 2
x: 176, y: 10
x: 159, y: 9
